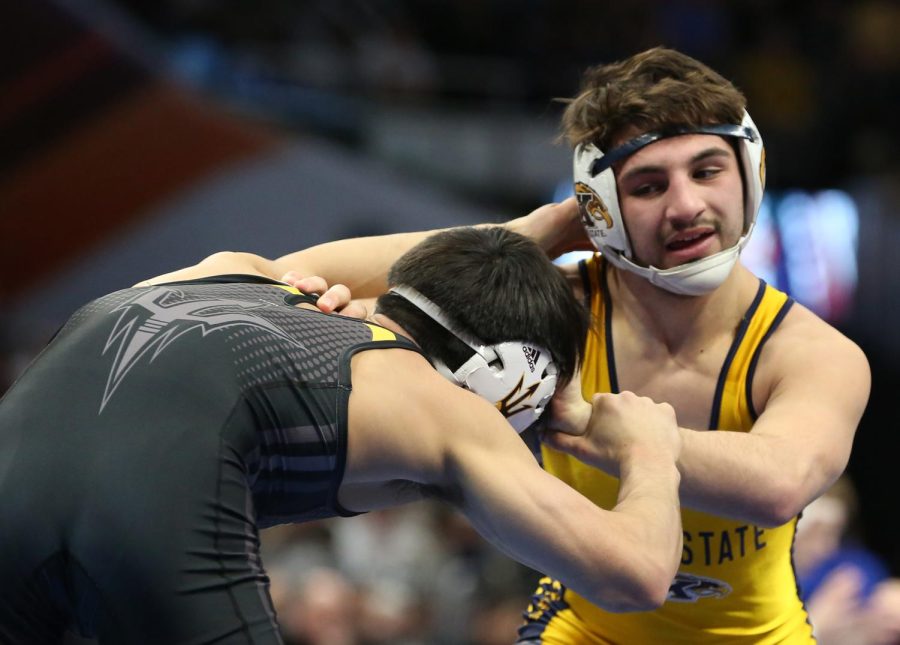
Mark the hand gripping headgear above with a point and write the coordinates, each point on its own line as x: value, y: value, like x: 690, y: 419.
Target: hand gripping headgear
x: 519, y: 378
x: 598, y: 199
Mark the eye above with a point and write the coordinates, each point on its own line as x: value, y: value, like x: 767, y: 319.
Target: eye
x: 647, y: 189
x: 707, y: 173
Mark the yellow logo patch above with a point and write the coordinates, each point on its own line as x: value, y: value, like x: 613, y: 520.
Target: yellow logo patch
x: 592, y: 208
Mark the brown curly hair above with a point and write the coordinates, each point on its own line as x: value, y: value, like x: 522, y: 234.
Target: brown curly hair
x: 649, y: 91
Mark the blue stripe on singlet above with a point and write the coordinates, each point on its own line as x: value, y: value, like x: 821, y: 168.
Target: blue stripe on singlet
x: 608, y: 331
x: 735, y: 345
x: 753, y: 361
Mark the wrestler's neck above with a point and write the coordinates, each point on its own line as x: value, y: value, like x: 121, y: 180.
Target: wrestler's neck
x: 659, y: 312
x: 388, y: 323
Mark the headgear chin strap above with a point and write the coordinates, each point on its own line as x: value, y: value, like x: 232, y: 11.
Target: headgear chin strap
x: 598, y: 199
x: 518, y: 378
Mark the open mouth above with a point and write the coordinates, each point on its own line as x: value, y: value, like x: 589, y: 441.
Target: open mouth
x: 688, y: 242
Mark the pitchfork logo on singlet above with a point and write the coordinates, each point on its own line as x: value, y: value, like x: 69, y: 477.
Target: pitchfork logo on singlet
x: 154, y: 319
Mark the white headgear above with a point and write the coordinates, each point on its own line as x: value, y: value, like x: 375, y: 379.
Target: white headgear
x: 519, y: 378
x: 598, y: 199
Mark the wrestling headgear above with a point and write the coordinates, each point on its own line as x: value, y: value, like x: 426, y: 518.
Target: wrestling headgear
x: 519, y: 378
x: 598, y: 200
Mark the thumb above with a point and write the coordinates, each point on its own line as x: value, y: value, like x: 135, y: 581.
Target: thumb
x: 560, y: 441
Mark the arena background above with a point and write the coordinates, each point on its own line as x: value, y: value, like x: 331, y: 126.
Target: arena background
x: 137, y: 136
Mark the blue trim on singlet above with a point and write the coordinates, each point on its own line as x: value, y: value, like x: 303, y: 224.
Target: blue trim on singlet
x: 585, y: 283
x: 755, y: 359
x: 608, y: 331
x: 794, y: 565
x: 343, y: 400
x: 607, y: 317
x: 533, y: 629
x: 735, y: 344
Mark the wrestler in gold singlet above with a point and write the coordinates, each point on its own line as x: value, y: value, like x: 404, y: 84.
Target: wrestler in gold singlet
x: 736, y: 583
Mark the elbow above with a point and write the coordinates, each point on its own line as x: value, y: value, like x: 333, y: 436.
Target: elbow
x: 792, y: 492
x: 778, y: 515
x: 639, y: 590
x: 653, y: 586
x: 785, y: 501
x: 638, y: 599
x: 647, y: 597
x: 783, y: 497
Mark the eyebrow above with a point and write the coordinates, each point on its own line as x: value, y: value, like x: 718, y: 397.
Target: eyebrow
x: 700, y: 156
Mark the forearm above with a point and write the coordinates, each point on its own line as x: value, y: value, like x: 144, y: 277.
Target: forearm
x: 648, y: 496
x: 761, y: 479
x: 362, y: 263
x: 645, y: 525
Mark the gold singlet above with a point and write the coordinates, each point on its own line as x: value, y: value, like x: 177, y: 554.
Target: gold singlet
x: 736, y: 583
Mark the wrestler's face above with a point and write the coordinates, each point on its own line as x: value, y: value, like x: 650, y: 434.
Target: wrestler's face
x: 682, y: 199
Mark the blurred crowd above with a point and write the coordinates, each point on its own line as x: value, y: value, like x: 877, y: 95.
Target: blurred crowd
x: 850, y: 593
x: 411, y: 575
x: 821, y: 76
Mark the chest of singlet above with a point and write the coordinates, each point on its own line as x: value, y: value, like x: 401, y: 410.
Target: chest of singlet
x: 736, y: 581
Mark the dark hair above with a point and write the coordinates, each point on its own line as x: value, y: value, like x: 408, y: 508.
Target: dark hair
x: 649, y: 91
x: 494, y: 284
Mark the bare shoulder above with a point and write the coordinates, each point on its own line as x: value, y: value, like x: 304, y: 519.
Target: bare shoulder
x: 803, y: 332
x: 221, y: 263
x: 807, y: 349
x: 407, y: 421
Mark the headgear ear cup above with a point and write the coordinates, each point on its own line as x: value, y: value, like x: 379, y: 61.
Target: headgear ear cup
x: 598, y: 198
x: 520, y: 387
x: 518, y: 378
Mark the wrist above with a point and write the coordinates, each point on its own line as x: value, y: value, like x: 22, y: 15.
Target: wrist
x: 646, y: 455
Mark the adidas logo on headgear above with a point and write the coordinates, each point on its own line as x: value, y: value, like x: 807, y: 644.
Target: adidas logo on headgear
x: 531, y: 355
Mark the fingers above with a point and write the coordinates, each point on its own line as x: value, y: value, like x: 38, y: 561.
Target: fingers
x: 306, y: 284
x: 567, y: 233
x: 355, y: 310
x: 568, y: 206
x: 569, y: 411
x: 335, y: 299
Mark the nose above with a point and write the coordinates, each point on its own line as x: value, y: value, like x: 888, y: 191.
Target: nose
x: 684, y: 201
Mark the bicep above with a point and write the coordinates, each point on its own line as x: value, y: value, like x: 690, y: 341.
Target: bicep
x: 814, y: 408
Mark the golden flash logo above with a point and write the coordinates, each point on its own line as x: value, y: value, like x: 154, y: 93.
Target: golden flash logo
x: 592, y: 208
